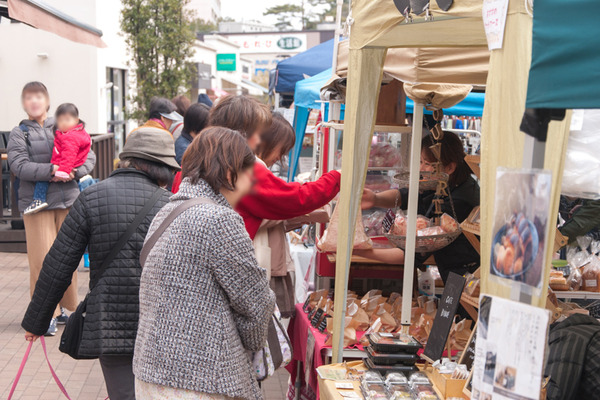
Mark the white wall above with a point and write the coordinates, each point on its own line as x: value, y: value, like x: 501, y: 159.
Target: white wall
x: 72, y: 72
x: 66, y: 72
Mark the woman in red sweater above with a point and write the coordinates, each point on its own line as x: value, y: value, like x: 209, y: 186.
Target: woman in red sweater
x: 269, y: 203
x: 272, y: 198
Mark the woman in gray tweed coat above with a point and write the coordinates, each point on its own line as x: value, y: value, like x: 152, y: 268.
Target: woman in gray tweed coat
x: 204, y: 301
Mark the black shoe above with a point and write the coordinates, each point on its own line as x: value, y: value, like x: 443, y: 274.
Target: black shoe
x: 62, y: 318
x: 52, y: 328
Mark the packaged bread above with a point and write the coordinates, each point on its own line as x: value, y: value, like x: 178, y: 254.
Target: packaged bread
x: 591, y: 275
x: 448, y: 223
x: 558, y: 281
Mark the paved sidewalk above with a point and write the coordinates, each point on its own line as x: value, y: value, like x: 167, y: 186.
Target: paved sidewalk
x: 82, y: 379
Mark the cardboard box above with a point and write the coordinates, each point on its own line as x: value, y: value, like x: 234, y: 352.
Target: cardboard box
x: 447, y: 386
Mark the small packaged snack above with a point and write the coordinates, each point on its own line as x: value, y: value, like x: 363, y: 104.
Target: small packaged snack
x: 418, y: 378
x: 395, y: 377
x: 401, y: 222
x: 373, y: 386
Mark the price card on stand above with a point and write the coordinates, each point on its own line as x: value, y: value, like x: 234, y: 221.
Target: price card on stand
x: 444, y: 318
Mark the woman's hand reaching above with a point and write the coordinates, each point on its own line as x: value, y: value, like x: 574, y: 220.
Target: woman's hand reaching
x: 368, y: 199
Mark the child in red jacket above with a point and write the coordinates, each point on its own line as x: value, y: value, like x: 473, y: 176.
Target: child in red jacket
x: 71, y: 147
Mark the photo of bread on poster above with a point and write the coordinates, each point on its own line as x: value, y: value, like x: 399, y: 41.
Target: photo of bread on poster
x: 520, y: 225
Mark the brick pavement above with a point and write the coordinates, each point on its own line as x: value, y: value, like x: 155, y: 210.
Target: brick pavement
x: 82, y: 379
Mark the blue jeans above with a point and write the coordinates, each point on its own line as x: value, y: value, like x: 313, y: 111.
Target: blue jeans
x: 40, y: 191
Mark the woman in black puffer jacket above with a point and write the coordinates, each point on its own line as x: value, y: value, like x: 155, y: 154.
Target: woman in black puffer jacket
x: 98, y: 218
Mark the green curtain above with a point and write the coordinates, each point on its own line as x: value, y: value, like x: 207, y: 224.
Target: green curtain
x: 565, y: 65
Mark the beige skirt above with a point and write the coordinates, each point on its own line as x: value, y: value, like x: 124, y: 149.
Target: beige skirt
x: 151, y: 391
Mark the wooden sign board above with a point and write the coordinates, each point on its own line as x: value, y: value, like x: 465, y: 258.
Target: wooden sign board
x: 444, y: 317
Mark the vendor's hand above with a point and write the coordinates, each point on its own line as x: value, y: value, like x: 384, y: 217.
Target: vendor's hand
x: 368, y: 199
x: 30, y: 337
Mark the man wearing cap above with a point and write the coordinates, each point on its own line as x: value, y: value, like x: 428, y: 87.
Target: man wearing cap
x: 162, y: 115
x: 103, y: 218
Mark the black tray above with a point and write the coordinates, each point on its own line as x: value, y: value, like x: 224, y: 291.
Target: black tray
x: 384, y: 369
x: 394, y: 343
x: 391, y: 359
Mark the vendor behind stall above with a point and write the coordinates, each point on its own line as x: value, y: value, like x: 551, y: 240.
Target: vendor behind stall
x: 459, y: 257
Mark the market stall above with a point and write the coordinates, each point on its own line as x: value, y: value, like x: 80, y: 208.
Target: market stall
x: 503, y: 145
x: 377, y: 26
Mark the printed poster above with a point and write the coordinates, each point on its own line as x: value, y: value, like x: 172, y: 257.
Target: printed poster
x: 509, y: 350
x: 520, y: 227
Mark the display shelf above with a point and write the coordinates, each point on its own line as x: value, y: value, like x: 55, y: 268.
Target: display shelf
x: 378, y: 128
x: 473, y: 162
x: 383, y: 168
x: 577, y: 294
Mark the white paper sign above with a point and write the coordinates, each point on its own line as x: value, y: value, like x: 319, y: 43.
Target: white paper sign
x: 509, y: 350
x: 494, y: 20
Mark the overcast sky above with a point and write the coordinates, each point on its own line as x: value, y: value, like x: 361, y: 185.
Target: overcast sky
x: 247, y: 10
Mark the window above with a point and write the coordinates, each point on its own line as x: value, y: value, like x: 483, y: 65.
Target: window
x: 115, y: 105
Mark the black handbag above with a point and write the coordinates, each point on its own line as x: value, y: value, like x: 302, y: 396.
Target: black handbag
x: 70, y: 340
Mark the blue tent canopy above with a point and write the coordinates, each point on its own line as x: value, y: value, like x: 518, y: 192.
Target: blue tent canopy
x: 306, y: 95
x: 310, y: 62
x: 471, y: 106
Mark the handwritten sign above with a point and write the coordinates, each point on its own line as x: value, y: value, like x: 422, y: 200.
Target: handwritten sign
x: 444, y: 317
x: 494, y: 20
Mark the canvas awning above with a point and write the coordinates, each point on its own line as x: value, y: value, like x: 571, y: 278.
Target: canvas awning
x: 42, y: 16
x: 467, y: 66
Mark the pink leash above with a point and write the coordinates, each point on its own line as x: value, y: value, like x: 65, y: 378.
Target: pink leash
x: 24, y: 361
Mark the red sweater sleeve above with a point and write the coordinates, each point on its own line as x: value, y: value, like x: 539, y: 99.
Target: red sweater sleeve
x: 176, y: 182
x: 273, y: 198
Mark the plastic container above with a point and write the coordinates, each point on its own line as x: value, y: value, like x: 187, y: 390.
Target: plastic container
x: 391, y: 358
x: 394, y: 343
x: 383, y: 369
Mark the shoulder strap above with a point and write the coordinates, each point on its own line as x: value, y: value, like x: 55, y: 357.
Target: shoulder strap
x: 127, y: 234
x: 167, y: 221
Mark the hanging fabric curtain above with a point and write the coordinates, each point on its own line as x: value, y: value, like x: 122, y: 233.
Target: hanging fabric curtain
x: 565, y: 70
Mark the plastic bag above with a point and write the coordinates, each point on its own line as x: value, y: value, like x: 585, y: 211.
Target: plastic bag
x: 328, y: 242
x: 581, y: 176
x: 384, y: 155
x: 373, y: 223
x: 401, y: 221
x: 575, y: 279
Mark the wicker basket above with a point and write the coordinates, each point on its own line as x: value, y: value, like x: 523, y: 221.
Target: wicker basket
x: 427, y: 180
x: 426, y: 244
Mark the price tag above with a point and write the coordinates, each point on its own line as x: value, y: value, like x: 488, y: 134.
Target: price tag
x: 316, y: 318
x: 323, y: 325
x: 349, y: 395
x: 305, y: 305
x: 388, y: 220
x: 344, y: 385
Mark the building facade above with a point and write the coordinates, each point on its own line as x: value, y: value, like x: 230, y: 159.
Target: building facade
x: 96, y: 80
x: 207, y: 10
x: 266, y: 49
